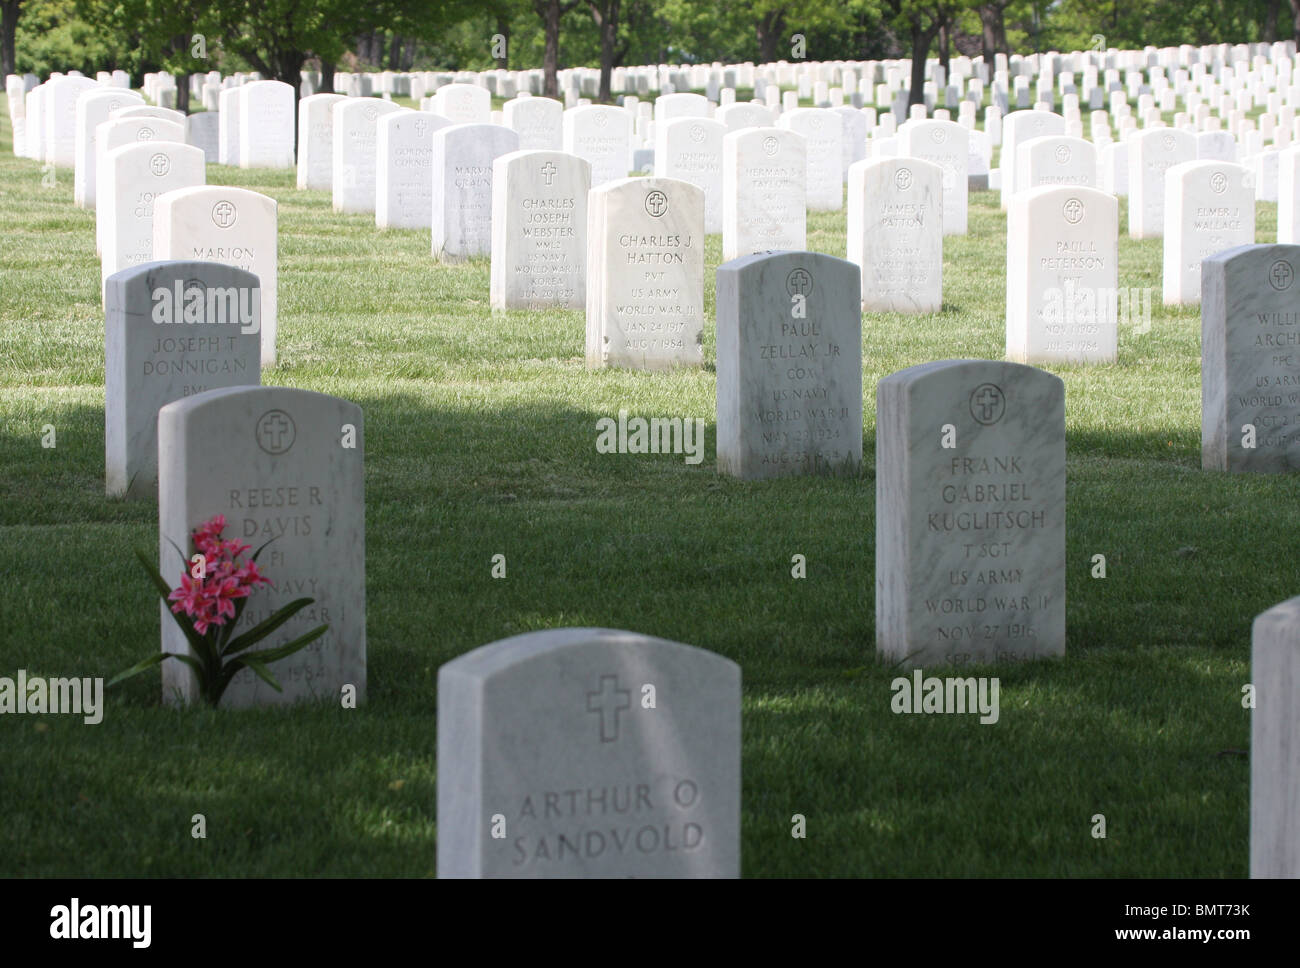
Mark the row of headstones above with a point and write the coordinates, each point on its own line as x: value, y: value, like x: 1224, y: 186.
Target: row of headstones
x: 1061, y: 307
x: 153, y: 204
x: 961, y: 78
x: 547, y: 257
x: 1036, y: 152
x: 1187, y: 85
x: 988, y: 438
x: 367, y: 151
x: 815, y: 79
x: 979, y: 547
x: 56, y: 122
x: 812, y: 78
x: 393, y: 160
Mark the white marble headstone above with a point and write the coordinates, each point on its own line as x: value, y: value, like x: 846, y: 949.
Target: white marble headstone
x: 895, y: 233
x: 132, y: 179
x: 60, y: 118
x: 232, y: 226
x: 266, y: 125
x: 645, y: 274
x: 737, y: 117
x: 602, y: 135
x: 823, y: 135
x: 1209, y: 207
x: 172, y: 330
x: 461, y: 211
x: 1017, y: 127
x: 276, y: 462
x: 1056, y: 160
x: 1150, y: 155
x: 1062, y: 276
x: 539, y: 230
x: 404, y: 169
x: 463, y: 103
x: 946, y: 144
x: 539, y: 122
x: 970, y: 538
x: 690, y: 149
x: 789, y: 365
x: 1250, y: 359
x: 202, y: 131
x: 1275, y: 742
x: 93, y: 109
x: 552, y: 733
x: 355, y: 152
x: 669, y: 107
x: 316, y: 141
x: 764, y: 192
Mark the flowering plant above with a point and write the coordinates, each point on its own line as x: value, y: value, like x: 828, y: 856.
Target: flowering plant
x: 207, y: 605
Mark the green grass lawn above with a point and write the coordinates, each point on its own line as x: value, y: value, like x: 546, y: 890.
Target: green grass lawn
x: 480, y: 439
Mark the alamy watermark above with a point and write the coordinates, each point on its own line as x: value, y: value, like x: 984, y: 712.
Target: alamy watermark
x: 1071, y: 307
x: 656, y: 435
x: 79, y: 922
x: 34, y: 695
x: 194, y: 302
x: 955, y: 695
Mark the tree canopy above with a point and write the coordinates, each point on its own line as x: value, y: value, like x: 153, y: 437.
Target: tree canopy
x: 279, y: 37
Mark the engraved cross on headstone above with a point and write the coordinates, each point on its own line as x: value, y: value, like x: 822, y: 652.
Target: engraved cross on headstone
x: 273, y: 431
x: 988, y: 402
x: 608, y: 701
x: 548, y: 172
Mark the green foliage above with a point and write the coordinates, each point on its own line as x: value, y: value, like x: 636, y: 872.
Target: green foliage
x: 53, y: 36
x: 274, y: 36
x: 1134, y: 24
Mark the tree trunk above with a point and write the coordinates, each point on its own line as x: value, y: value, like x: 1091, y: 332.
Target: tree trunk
x: 988, y: 33
x: 395, y: 53
x: 994, y: 30
x: 1270, y: 21
x: 921, y: 39
x: 551, y: 56
x: 606, y: 16
x: 944, y: 27
x: 182, y: 92
x: 8, y: 31
x: 408, y: 55
x: 326, y: 76
x: 503, y: 28
x: 1295, y: 20
x: 769, y: 30
x: 368, y: 47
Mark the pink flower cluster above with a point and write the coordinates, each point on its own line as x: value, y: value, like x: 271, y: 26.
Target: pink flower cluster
x: 210, y: 601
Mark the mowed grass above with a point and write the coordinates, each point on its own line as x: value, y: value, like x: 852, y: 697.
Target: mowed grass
x: 480, y: 439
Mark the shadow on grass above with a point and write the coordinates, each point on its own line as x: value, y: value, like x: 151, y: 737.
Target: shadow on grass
x: 1126, y: 725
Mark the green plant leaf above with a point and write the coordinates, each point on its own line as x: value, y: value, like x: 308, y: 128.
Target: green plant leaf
x: 154, y: 574
x: 289, y: 648
x: 263, y: 545
x: 265, y: 627
x: 199, y: 643
x: 149, y: 663
x: 227, y: 630
x: 260, y: 669
x: 185, y: 562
